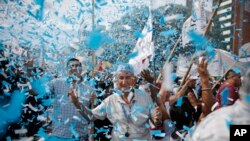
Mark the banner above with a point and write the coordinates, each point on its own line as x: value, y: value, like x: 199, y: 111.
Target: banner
x: 223, y: 60
x: 217, y: 65
x: 197, y: 21
x: 144, y: 47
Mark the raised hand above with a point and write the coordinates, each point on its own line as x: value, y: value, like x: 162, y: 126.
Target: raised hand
x: 92, y: 97
x: 74, y: 99
x: 202, y: 68
x: 157, y: 116
x: 78, y: 105
x: 146, y: 75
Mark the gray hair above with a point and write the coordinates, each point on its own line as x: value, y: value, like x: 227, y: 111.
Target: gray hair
x: 125, y: 67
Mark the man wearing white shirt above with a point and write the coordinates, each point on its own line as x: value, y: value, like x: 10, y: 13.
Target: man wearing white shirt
x: 128, y: 109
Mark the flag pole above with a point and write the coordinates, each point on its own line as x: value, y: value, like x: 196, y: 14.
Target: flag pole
x: 211, y: 19
x: 169, y: 57
x: 93, y: 26
x: 204, y: 34
x: 179, y: 39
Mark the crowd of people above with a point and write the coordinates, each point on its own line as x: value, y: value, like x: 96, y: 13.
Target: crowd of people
x: 80, y: 107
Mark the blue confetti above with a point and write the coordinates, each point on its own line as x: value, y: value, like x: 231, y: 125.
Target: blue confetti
x: 47, y: 34
x: 58, y: 1
x: 38, y: 15
x: 8, y: 138
x: 236, y: 70
x: 72, y: 130
x: 247, y: 99
x: 96, y: 39
x: 173, y: 76
x: 80, y: 13
x: 102, y: 130
x: 154, y: 132
x: 80, y: 3
x: 132, y: 55
x: 210, y: 50
x: 186, y: 114
x: 15, y: 109
x: 199, y: 40
x: 67, y: 20
x: 56, y: 13
x: 147, y: 125
x: 48, y: 102
x: 157, y: 133
x: 187, y: 128
x: 168, y: 33
x: 228, y: 121
x: 224, y: 96
x: 179, y: 102
x: 162, y: 20
x: 42, y: 133
x: 138, y: 34
x: 101, y: 2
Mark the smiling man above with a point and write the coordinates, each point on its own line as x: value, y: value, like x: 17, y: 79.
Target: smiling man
x: 128, y: 109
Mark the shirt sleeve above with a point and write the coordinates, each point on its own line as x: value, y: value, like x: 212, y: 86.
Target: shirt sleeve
x: 232, y: 96
x: 100, y: 112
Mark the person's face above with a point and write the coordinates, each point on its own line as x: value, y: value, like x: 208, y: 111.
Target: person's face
x: 236, y: 78
x: 192, y: 83
x: 125, y: 81
x: 74, y: 67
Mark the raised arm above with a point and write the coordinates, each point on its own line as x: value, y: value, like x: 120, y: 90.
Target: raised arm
x: 81, y: 108
x: 207, y: 95
x: 154, y: 94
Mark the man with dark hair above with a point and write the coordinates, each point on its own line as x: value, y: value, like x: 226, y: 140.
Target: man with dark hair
x: 215, y: 127
x: 67, y: 121
x: 228, y: 91
x: 182, y: 114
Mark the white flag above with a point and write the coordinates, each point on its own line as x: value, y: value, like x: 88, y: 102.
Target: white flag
x: 197, y: 21
x: 222, y: 61
x: 217, y: 66
x: 183, y: 64
x: 144, y: 47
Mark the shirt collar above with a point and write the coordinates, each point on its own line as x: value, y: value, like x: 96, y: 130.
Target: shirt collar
x: 120, y: 100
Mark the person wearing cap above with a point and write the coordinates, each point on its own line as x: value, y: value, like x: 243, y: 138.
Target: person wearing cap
x: 228, y: 91
x: 128, y: 109
x: 216, y: 126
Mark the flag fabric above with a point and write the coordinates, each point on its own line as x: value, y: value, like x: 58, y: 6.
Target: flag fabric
x: 144, y: 47
x: 223, y: 60
x: 183, y: 65
x: 217, y: 65
x: 196, y: 22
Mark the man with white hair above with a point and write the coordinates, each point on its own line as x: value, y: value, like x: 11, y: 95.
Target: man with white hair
x: 216, y: 126
x: 128, y: 109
